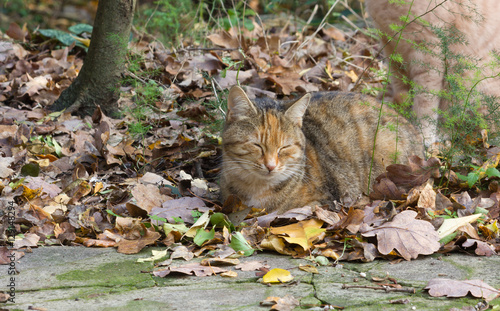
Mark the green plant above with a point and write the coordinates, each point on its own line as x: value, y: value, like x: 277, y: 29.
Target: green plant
x: 147, y: 93
x: 217, y: 110
x: 459, y: 124
x: 478, y: 173
x: 239, y: 15
x: 449, y: 214
x: 172, y: 21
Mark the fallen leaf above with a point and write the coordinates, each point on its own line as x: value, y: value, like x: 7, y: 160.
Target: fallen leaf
x: 240, y: 244
x: 251, y: 265
x: 303, y: 233
x: 156, y: 255
x: 220, y: 262
x: 455, y: 288
x: 287, y: 303
x: 190, y: 269
x: 229, y: 274
x: 8, y: 255
x: 427, y: 198
x: 452, y: 224
x: 182, y: 252
x: 309, y: 268
x: 409, y: 236
x: 148, y: 196
x: 29, y: 240
x: 135, y: 246
x: 277, y: 275
x: 5, y: 162
x: 480, y: 248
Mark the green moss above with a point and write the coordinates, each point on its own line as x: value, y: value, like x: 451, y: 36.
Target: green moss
x: 125, y: 273
x: 139, y: 305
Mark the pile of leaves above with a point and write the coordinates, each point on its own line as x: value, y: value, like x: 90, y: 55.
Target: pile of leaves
x: 91, y: 182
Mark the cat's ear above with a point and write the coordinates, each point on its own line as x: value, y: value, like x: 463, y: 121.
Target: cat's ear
x: 239, y: 105
x: 297, y: 109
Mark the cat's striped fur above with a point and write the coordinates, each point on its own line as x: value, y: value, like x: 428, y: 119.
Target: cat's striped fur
x: 280, y: 155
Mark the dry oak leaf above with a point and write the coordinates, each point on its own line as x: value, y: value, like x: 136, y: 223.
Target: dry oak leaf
x: 405, y: 234
x: 455, y: 288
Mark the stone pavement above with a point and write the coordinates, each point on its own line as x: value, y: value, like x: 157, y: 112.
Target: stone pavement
x: 78, y: 278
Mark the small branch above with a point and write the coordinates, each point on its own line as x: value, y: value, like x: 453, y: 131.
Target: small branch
x: 206, y: 49
x: 203, y: 199
x: 410, y: 290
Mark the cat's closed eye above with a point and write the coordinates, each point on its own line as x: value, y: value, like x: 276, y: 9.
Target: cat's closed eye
x: 259, y: 147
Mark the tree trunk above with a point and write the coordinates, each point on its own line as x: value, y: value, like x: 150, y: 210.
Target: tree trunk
x: 99, y: 80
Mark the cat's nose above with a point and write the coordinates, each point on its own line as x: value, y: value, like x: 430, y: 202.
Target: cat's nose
x: 270, y: 166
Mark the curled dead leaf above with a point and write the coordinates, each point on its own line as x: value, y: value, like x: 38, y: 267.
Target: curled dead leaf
x: 455, y: 288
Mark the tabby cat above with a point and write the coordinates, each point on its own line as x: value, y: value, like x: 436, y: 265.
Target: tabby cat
x: 478, y: 26
x: 279, y: 155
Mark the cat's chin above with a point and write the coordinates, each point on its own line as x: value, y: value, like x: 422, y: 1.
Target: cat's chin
x: 270, y: 178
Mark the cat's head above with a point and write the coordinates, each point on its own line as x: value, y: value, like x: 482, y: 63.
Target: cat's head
x: 265, y: 144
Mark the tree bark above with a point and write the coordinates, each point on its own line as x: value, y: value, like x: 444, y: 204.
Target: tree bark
x: 98, y: 83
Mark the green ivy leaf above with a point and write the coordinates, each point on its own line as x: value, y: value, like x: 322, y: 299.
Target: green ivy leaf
x: 492, y: 172
x: 80, y: 28
x: 61, y: 36
x: 248, y: 24
x: 238, y: 243
x: 202, y: 236
x: 221, y: 220
x: 472, y: 178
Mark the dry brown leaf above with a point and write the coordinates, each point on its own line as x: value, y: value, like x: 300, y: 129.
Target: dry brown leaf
x: 286, y: 303
x: 190, y: 269
x: 182, y: 252
x: 16, y: 32
x: 252, y: 265
x: 353, y: 220
x: 181, y: 208
x: 386, y: 189
x: 128, y: 227
x: 480, y: 248
x: 220, y: 262
x: 417, y: 172
x: 8, y: 255
x: 5, y: 162
x: 135, y: 246
x: 427, y: 198
x: 29, y: 240
x: 224, y: 39
x: 409, y: 236
x: 455, y: 288
x: 148, y: 196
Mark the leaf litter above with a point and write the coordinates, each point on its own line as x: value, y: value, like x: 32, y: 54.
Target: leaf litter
x: 91, y: 182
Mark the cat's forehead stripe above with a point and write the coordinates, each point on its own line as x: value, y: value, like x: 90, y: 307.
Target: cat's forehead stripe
x: 272, y: 129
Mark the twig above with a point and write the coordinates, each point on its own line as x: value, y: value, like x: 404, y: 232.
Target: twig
x: 410, y: 290
x: 207, y: 49
x: 203, y: 199
x: 321, y: 25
